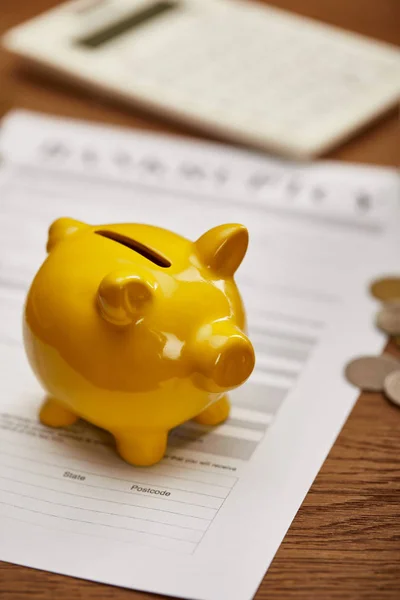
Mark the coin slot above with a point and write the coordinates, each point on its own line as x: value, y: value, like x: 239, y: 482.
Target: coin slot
x: 136, y: 246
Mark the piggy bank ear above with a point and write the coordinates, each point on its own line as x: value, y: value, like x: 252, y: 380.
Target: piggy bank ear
x: 222, y: 248
x: 60, y: 229
x: 124, y: 297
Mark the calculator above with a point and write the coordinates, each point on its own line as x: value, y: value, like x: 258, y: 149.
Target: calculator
x: 239, y: 70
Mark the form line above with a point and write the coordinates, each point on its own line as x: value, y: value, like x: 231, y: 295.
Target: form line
x: 100, y: 487
x: 144, y: 470
x: 130, y: 482
x: 103, y: 512
x: 308, y: 340
x: 103, y: 537
x: 39, y: 512
x: 43, y: 487
x: 96, y: 462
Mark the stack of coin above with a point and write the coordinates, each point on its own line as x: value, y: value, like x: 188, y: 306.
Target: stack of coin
x: 376, y: 374
x: 387, y: 290
x: 381, y: 373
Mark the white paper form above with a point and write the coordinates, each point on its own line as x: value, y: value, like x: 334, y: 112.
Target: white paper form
x: 206, y: 522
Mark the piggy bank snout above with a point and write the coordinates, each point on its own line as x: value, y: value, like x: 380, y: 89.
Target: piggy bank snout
x: 224, y: 356
x: 234, y: 363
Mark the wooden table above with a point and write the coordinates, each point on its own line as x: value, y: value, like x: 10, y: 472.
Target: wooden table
x: 345, y: 540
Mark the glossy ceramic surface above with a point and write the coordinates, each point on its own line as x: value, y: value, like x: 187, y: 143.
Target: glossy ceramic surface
x: 137, y: 329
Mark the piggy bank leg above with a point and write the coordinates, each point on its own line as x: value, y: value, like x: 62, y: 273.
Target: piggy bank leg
x: 216, y: 413
x: 141, y: 448
x: 54, y: 414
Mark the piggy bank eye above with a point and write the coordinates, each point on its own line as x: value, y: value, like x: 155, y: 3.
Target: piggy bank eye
x: 124, y: 297
x: 149, y: 253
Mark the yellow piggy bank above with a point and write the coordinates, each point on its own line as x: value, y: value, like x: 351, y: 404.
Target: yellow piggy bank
x: 137, y: 329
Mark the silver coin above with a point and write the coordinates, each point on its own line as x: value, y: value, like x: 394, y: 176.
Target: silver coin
x: 391, y: 387
x: 388, y: 318
x: 368, y: 372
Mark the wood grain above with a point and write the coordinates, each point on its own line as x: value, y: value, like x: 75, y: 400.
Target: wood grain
x: 345, y: 540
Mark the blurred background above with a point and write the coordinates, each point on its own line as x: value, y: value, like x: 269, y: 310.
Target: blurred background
x: 377, y: 142
x: 21, y: 86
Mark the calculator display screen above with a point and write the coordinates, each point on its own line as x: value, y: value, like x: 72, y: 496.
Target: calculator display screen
x: 128, y: 23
